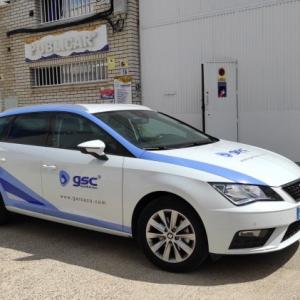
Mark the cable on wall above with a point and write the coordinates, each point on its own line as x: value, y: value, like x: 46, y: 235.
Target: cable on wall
x: 105, y: 15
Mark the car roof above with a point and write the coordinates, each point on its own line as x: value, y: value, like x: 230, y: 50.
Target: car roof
x: 90, y: 108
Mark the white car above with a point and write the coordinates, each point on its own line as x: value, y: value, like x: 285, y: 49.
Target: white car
x: 131, y: 171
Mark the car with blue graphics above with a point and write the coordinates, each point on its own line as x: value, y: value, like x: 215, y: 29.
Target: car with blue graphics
x: 130, y: 171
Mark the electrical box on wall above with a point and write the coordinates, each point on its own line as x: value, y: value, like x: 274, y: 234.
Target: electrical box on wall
x: 120, y: 7
x: 9, y: 103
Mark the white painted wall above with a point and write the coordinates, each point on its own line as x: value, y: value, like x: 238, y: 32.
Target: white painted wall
x: 177, y: 36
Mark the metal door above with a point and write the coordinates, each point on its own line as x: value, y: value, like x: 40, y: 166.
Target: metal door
x: 220, y: 100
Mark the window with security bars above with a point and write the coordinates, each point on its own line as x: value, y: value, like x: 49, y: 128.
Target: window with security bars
x: 73, y: 73
x: 55, y: 10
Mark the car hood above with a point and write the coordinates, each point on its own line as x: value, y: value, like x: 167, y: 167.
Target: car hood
x: 235, y: 162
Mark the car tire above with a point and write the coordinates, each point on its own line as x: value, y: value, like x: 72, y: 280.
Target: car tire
x: 4, y: 213
x: 175, y: 243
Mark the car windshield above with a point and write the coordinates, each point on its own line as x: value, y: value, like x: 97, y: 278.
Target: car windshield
x: 150, y: 130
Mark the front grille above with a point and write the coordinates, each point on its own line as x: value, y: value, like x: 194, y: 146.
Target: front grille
x: 293, y: 190
x: 291, y: 231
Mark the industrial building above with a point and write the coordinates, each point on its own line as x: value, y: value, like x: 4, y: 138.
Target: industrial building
x: 229, y: 67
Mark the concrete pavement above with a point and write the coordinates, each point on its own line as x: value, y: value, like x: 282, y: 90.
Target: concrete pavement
x: 43, y: 260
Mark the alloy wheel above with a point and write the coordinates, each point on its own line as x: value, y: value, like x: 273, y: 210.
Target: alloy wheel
x: 170, y: 236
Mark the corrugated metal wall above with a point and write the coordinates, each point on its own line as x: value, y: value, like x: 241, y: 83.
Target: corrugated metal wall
x: 178, y: 36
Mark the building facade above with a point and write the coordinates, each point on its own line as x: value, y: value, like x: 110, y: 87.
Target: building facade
x: 69, y: 51
x: 229, y: 67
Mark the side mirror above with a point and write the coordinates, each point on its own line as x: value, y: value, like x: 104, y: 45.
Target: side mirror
x: 95, y: 148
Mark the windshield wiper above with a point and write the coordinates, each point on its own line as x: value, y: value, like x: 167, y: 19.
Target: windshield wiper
x: 194, y: 144
x: 157, y: 148
x: 179, y: 146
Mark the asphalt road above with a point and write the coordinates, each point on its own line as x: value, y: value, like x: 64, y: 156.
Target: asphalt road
x: 43, y: 260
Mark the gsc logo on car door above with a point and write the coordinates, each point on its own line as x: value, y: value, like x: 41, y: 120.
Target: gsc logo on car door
x: 68, y: 177
x: 79, y: 181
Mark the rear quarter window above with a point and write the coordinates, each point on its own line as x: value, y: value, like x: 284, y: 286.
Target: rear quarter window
x: 29, y: 129
x: 4, y: 126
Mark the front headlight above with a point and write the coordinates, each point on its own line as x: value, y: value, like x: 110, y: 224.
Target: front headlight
x: 242, y: 194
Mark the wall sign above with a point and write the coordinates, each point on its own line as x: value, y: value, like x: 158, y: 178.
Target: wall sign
x: 222, y: 84
x: 124, y: 64
x: 111, y: 63
x: 107, y: 93
x: 89, y: 40
x: 123, y: 89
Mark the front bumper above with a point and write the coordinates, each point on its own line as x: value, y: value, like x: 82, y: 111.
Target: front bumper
x: 222, y: 225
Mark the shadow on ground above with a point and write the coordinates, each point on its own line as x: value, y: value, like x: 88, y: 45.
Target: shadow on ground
x: 122, y: 258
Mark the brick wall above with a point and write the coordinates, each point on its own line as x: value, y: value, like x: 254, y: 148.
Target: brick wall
x: 16, y: 81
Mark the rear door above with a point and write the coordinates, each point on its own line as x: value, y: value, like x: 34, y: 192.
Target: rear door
x: 83, y: 188
x: 21, y: 147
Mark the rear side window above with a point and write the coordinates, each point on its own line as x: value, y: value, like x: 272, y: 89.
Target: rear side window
x: 4, y: 126
x: 29, y: 129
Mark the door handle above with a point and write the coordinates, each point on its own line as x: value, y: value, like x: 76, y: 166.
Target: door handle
x: 206, y: 99
x: 50, y: 167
